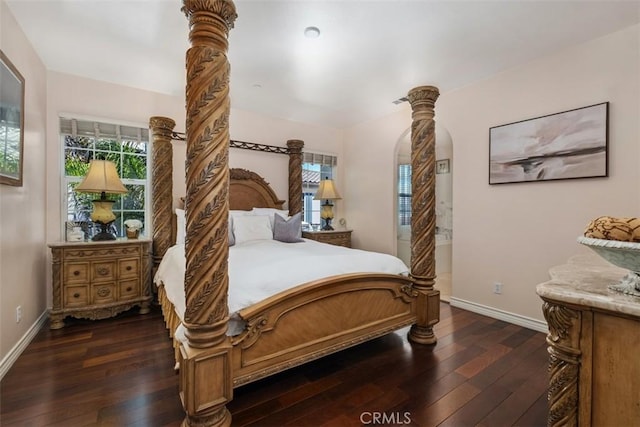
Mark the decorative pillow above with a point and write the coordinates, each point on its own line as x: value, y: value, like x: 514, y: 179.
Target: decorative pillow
x: 252, y: 227
x: 232, y: 237
x: 181, y: 227
x: 235, y: 212
x: 270, y: 212
x: 288, y: 230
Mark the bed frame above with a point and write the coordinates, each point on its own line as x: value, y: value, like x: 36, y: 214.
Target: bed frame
x: 300, y: 324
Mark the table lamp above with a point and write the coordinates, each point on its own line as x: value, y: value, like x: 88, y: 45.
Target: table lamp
x: 102, y: 178
x: 327, y: 192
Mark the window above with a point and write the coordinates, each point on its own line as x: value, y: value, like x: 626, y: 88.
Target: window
x: 314, y: 168
x: 127, y: 147
x: 404, y: 195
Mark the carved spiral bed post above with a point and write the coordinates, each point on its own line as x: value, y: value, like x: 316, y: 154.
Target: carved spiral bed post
x: 205, y: 366
x: 162, y: 185
x: 423, y: 218
x: 295, y: 175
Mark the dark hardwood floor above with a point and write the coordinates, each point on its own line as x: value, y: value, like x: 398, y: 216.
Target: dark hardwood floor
x: 119, y: 372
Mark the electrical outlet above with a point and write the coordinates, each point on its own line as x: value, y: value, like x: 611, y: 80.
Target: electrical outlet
x: 18, y: 314
x: 497, y: 288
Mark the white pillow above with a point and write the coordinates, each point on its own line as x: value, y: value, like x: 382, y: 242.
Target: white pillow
x: 271, y: 212
x: 252, y: 227
x: 234, y: 213
x: 181, y: 227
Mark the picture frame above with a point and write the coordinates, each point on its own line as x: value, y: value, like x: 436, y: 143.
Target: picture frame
x: 567, y: 145
x: 11, y: 123
x: 85, y: 226
x: 442, y: 166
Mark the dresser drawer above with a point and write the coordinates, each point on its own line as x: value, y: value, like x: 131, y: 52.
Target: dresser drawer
x: 128, y: 289
x: 335, y: 237
x: 119, y: 251
x: 76, y: 296
x: 76, y: 272
x: 103, y: 271
x: 128, y: 268
x: 103, y: 293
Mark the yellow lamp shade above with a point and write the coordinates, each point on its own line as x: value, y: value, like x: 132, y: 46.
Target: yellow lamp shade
x: 101, y: 178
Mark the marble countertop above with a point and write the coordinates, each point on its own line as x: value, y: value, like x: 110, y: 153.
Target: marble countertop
x: 584, y: 281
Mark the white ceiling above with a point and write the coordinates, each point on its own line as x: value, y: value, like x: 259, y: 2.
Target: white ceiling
x: 369, y: 54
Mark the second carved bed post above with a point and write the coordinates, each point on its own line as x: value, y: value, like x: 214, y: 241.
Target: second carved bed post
x: 162, y: 176
x: 295, y: 175
x: 205, y: 359
x: 423, y: 218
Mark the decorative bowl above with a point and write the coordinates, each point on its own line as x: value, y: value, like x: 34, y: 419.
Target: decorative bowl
x: 621, y: 254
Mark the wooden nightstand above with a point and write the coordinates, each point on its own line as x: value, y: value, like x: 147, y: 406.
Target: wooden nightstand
x: 96, y: 280
x: 335, y: 237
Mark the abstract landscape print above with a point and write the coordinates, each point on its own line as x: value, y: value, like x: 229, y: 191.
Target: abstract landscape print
x: 571, y: 144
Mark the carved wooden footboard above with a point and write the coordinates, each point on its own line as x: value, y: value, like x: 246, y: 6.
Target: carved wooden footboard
x: 319, y: 318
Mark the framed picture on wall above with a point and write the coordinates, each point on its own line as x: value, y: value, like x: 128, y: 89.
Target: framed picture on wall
x: 11, y: 123
x: 442, y: 166
x: 567, y: 145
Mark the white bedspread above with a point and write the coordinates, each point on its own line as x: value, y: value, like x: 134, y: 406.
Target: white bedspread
x: 261, y: 268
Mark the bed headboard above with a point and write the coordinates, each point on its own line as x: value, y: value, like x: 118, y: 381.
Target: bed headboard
x: 249, y: 190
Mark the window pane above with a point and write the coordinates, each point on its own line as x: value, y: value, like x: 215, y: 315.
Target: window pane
x: 134, y: 199
x: 79, y: 205
x: 108, y: 145
x: 312, y: 173
x: 76, y: 161
x: 137, y: 147
x: 404, y: 194
x: 134, y: 167
x: 78, y: 142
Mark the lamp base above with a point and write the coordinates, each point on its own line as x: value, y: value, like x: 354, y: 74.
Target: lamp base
x: 104, y: 233
x: 327, y: 225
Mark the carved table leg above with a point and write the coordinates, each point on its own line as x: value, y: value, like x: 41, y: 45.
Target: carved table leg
x: 564, y: 363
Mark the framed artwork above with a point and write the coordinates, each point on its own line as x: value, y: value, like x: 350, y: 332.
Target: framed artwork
x: 566, y: 145
x: 442, y: 166
x: 11, y: 123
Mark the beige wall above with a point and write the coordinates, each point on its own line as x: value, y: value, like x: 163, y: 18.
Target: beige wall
x: 22, y: 209
x: 511, y: 233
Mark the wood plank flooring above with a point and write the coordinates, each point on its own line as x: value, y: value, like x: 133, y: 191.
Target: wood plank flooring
x: 119, y: 372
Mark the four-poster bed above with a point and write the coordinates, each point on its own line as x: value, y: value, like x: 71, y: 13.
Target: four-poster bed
x: 309, y: 320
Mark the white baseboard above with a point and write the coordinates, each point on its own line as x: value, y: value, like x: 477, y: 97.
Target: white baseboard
x: 8, y: 360
x: 516, y: 319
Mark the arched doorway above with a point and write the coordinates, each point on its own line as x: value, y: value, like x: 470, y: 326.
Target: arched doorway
x: 444, y: 206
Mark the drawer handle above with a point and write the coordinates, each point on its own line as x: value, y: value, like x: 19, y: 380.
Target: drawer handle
x: 76, y: 273
x: 103, y: 271
x: 76, y: 295
x: 129, y: 268
x: 129, y: 289
x: 103, y: 292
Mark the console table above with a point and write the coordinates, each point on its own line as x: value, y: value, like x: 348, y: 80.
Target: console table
x: 594, y: 345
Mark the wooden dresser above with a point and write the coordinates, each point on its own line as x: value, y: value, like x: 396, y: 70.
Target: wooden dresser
x: 594, y: 342
x: 334, y: 237
x: 96, y: 280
